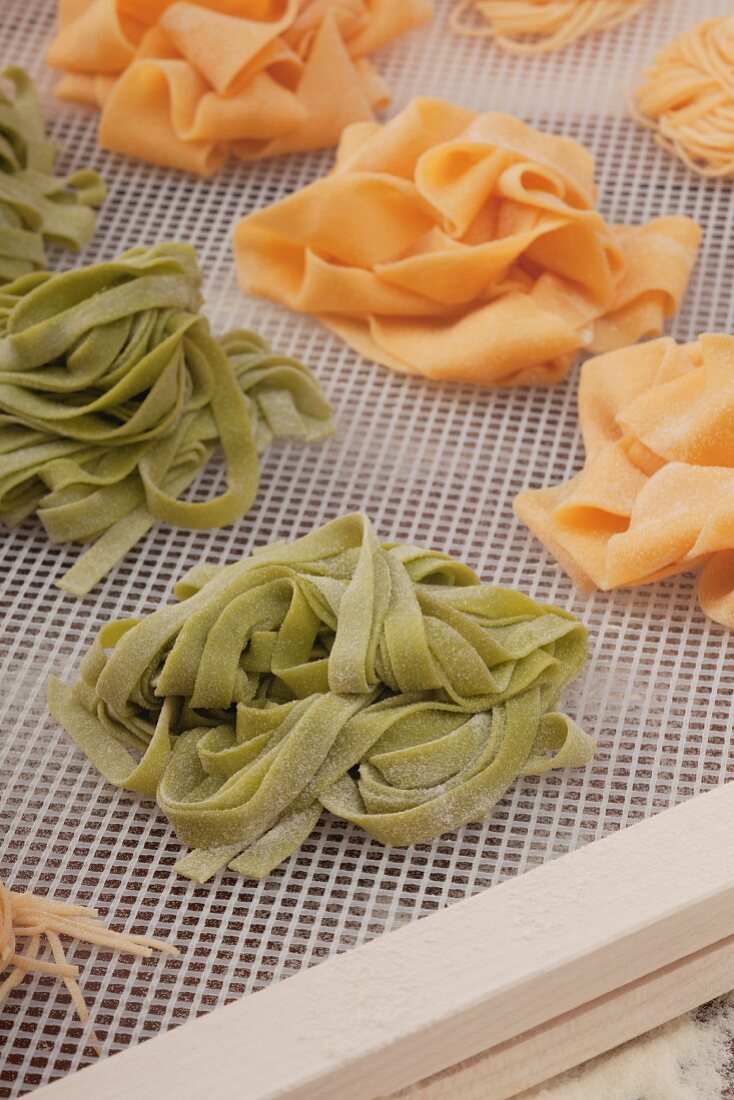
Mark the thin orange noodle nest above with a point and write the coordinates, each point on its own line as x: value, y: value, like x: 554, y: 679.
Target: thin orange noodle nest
x: 27, y: 920
x: 187, y: 84
x: 467, y: 247
x: 687, y: 97
x: 539, y: 26
x: 656, y: 494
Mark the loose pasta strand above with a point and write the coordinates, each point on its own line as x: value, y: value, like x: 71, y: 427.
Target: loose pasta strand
x: 540, y: 26
x: 687, y: 98
x: 31, y: 919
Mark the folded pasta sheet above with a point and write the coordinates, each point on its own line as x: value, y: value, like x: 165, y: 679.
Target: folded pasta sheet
x: 382, y: 682
x: 187, y: 84
x: 36, y: 207
x: 467, y: 247
x: 655, y: 496
x: 114, y: 394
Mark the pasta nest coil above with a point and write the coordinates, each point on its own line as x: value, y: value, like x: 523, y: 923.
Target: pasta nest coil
x: 382, y: 682
x: 540, y: 26
x: 465, y: 246
x: 687, y: 97
x: 187, y: 84
x: 114, y: 394
x: 36, y: 207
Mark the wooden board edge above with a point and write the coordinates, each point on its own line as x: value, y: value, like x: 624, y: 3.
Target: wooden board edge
x: 586, y: 1032
x: 469, y: 978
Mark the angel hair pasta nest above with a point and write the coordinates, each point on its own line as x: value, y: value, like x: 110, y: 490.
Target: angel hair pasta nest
x: 687, y: 97
x: 381, y: 682
x: 540, y: 26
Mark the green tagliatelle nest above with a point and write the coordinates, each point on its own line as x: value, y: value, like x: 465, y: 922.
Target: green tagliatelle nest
x: 382, y: 682
x: 114, y: 394
x: 35, y: 206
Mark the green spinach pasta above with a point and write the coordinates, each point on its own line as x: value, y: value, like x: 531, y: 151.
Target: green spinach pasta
x: 382, y: 682
x: 114, y: 394
x: 35, y: 206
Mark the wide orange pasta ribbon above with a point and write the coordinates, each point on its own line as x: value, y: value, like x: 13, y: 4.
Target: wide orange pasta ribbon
x: 656, y: 495
x: 186, y: 83
x: 465, y: 246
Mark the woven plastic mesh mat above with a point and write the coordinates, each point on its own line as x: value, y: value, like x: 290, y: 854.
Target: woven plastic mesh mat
x: 432, y: 464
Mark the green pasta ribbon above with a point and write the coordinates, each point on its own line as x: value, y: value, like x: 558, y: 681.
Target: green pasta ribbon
x: 114, y: 394
x: 36, y: 207
x: 382, y: 682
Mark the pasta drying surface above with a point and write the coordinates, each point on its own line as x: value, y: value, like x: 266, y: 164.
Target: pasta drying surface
x: 438, y: 465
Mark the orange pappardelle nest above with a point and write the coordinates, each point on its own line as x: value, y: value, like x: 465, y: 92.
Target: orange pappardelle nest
x: 466, y: 247
x: 687, y: 97
x: 656, y: 494
x: 539, y: 26
x: 187, y: 84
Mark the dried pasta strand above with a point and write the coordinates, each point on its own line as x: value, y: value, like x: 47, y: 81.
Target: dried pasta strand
x: 382, y: 682
x: 26, y: 919
x: 36, y: 207
x: 687, y: 98
x: 540, y: 26
x: 114, y: 394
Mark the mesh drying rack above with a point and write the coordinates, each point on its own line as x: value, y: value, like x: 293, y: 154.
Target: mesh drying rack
x: 432, y: 464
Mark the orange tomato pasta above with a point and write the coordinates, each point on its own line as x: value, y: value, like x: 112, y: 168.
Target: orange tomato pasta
x: 467, y: 247
x: 187, y: 83
x: 655, y: 495
x: 687, y: 97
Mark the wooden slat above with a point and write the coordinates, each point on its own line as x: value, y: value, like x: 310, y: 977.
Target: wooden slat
x: 585, y: 1032
x: 446, y: 988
